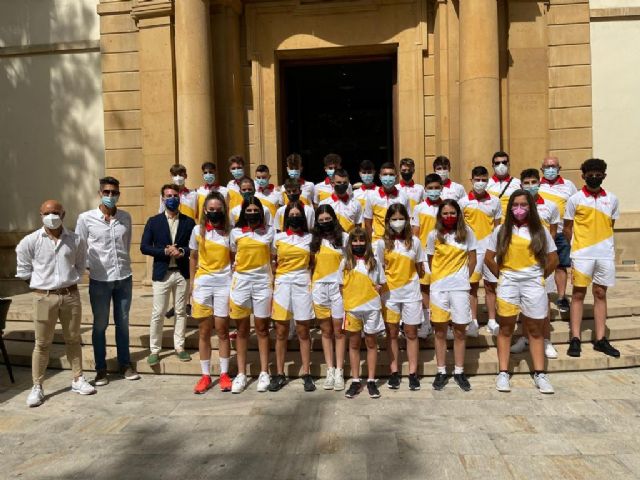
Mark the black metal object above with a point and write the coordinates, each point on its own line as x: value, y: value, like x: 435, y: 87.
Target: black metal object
x: 4, y: 310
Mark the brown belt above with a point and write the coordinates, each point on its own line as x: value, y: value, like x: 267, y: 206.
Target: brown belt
x: 57, y: 291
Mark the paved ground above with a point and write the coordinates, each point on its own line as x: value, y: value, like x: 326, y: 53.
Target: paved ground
x: 156, y: 428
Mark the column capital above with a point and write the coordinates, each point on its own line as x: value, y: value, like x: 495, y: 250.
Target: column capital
x: 235, y: 5
x: 151, y: 8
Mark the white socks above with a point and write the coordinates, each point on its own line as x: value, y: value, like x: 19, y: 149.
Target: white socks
x: 458, y: 370
x: 205, y: 365
x: 224, y: 365
x: 442, y: 370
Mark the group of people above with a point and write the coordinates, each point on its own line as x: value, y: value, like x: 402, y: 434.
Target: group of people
x: 359, y: 258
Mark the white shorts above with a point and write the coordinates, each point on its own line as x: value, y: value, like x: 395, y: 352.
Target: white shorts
x: 407, y: 312
x: 209, y: 298
x: 327, y: 300
x: 526, y: 296
x: 453, y: 305
x: 247, y: 296
x: 600, y: 272
x: 291, y: 301
x: 482, y: 271
x: 370, y: 321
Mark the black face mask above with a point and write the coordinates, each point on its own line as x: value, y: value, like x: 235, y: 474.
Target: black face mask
x: 341, y: 189
x: 326, y: 227
x: 358, y: 250
x: 593, y: 182
x: 406, y: 176
x: 215, y: 218
x: 296, y: 222
x: 293, y: 197
x: 252, y: 218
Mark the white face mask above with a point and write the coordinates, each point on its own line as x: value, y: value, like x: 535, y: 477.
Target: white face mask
x: 479, y: 187
x: 501, y: 169
x: 444, y: 174
x: 52, y: 221
x: 397, y: 225
x: 178, y: 180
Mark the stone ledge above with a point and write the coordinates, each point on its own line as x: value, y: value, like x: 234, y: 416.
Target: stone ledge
x: 79, y: 46
x: 614, y: 13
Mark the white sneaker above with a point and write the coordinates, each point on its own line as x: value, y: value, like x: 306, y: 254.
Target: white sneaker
x: 239, y: 383
x: 542, y: 382
x: 338, y: 379
x: 492, y: 327
x: 502, y: 382
x: 520, y: 346
x: 425, y: 329
x: 549, y: 350
x: 450, y: 333
x: 263, y: 381
x: 36, y: 396
x: 329, y: 382
x: 473, y: 329
x: 82, y: 387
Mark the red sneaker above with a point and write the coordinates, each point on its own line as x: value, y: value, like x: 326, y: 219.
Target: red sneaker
x: 233, y: 335
x: 203, y: 385
x: 225, y: 382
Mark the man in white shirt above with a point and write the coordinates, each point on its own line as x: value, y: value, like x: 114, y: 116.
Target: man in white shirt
x: 107, y: 232
x: 52, y: 260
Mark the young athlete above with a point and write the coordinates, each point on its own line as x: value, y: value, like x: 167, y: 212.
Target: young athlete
x: 367, y: 187
x: 236, y: 168
x: 403, y: 259
x: 550, y: 218
x: 482, y: 213
x: 266, y: 192
x: 413, y: 190
x: 375, y: 210
x: 557, y: 189
x: 294, y: 171
x: 361, y: 277
x: 502, y: 184
x: 292, y: 194
x: 251, y: 289
x: 521, y: 253
x: 589, y: 218
x: 324, y: 189
x: 451, y: 249
x: 328, y: 247
x: 211, y: 185
x: 188, y: 198
x: 248, y: 190
x: 210, y: 266
x: 450, y: 189
x: 347, y: 209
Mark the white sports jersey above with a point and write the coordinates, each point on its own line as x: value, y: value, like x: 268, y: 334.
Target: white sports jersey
x: 327, y: 261
x: 400, y: 269
x: 480, y: 215
x: 548, y: 212
x: 450, y: 262
x: 425, y: 218
x: 234, y: 215
x: 253, y: 253
x: 306, y: 192
x: 557, y: 192
x: 213, y: 254
x: 413, y: 191
x: 452, y: 190
x: 359, y: 286
x: 270, y: 198
x: 362, y: 194
x: 495, y: 187
x: 233, y: 192
x: 292, y: 256
x: 593, y: 217
x: 379, y: 203
x: 205, y: 190
x: 348, y: 210
x: 278, y: 220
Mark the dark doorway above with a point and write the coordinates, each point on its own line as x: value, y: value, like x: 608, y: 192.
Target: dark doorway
x: 344, y: 107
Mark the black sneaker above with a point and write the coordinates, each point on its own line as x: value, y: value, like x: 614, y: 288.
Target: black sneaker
x: 461, y: 380
x: 354, y: 389
x: 440, y: 381
x: 277, y: 382
x: 309, y: 384
x: 605, y: 347
x: 562, y: 304
x: 414, y: 383
x: 373, y: 389
x: 170, y: 313
x: 394, y: 381
x: 574, y: 347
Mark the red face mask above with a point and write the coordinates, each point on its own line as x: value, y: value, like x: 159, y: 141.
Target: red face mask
x: 449, y: 222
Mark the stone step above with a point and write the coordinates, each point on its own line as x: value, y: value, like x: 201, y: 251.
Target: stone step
x: 477, y: 361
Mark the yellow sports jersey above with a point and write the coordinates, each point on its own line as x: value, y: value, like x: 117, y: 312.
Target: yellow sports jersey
x: 508, y: 185
x: 452, y: 190
x: 270, y: 198
x: 292, y: 256
x: 253, y: 253
x: 359, y: 286
x: 425, y: 218
x: 234, y: 195
x: 480, y: 214
x: 327, y: 261
x: 376, y: 208
x: 548, y: 212
x: 205, y: 190
x: 306, y: 193
x: 557, y: 192
x: 214, y: 259
x: 400, y: 271
x: 593, y: 217
x: 348, y: 210
x: 362, y: 194
x: 413, y: 191
x: 450, y: 262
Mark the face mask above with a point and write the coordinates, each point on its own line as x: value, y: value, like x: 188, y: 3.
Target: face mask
x: 262, y: 182
x: 367, y: 178
x: 330, y: 172
x: 406, y: 176
x: 215, y: 218
x: 433, y: 195
x: 178, y: 180
x: 326, y: 226
x: 388, y: 181
x: 209, y: 178
x: 520, y: 213
x: 532, y: 189
x: 358, y: 250
x: 501, y: 169
x: 294, y: 197
x: 479, y: 187
x: 237, y: 173
x: 397, y: 225
x: 52, y: 221
x: 550, y: 173
x: 341, y: 189
x: 252, y: 218
x: 110, y: 202
x: 449, y: 222
x: 246, y: 196
x: 444, y: 174
x: 172, y: 203
x: 593, y: 182
x: 296, y: 222
x: 293, y: 173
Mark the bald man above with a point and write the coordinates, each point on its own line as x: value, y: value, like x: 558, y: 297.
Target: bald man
x: 51, y: 260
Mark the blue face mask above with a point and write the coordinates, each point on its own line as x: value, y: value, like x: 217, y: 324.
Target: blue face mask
x: 330, y: 172
x: 293, y: 173
x: 172, y: 203
x: 209, y: 178
x: 433, y: 195
x: 237, y: 173
x: 388, y: 181
x: 262, y: 182
x: 367, y: 178
x: 532, y: 189
x: 247, y: 195
x: 550, y: 173
x: 110, y: 202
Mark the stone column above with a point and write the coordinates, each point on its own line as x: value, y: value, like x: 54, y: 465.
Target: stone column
x: 479, y: 83
x: 196, y: 126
